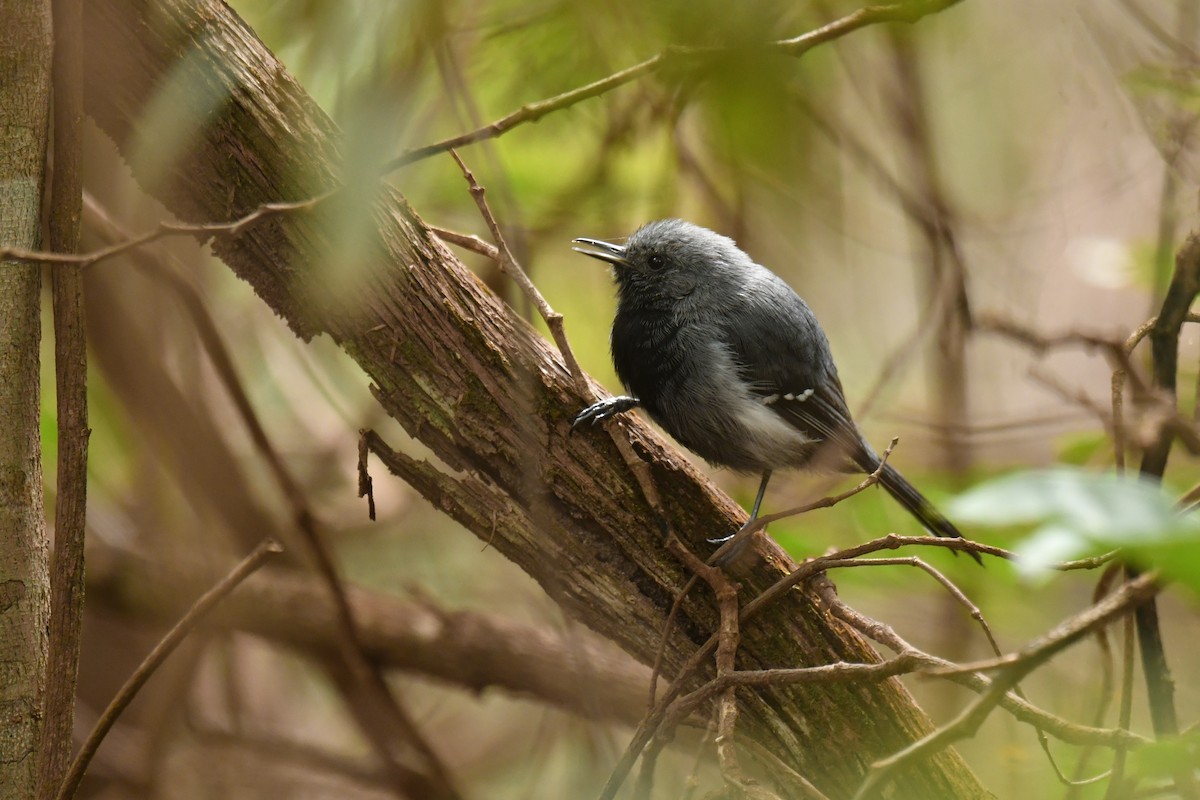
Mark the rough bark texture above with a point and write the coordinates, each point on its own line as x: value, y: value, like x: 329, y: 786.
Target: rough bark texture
x: 478, y: 386
x: 24, y: 577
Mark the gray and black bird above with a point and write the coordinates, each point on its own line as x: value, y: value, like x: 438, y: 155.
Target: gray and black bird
x: 731, y: 362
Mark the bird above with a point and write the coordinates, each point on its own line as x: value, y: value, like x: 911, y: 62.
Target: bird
x: 727, y: 358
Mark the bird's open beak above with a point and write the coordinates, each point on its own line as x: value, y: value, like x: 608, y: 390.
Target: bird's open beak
x: 605, y: 251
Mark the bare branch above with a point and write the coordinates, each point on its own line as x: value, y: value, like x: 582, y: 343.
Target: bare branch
x: 156, y: 657
x: 1014, y: 669
x: 576, y: 671
x: 728, y: 637
x: 1019, y: 708
x: 70, y: 370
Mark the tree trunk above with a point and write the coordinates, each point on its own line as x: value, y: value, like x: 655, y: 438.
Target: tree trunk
x: 25, y: 53
x: 468, y: 378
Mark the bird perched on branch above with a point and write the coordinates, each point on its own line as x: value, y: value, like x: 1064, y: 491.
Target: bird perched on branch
x: 731, y: 362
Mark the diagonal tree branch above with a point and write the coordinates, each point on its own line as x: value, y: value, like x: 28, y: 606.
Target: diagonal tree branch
x: 476, y: 384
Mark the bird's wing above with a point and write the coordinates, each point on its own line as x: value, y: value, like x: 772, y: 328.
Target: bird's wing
x: 784, y: 357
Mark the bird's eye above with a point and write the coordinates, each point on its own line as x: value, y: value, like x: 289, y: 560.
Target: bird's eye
x: 656, y: 261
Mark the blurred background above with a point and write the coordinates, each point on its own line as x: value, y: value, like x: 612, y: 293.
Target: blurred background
x: 1033, y: 162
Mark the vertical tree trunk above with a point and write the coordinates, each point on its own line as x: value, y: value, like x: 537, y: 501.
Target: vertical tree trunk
x: 70, y: 370
x: 25, y: 48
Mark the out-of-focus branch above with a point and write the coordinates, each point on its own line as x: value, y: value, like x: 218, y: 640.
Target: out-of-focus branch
x: 577, y: 670
x: 70, y: 372
x: 1164, y: 346
x: 198, y: 610
x: 905, y: 12
x: 1164, y: 342
x: 945, y: 276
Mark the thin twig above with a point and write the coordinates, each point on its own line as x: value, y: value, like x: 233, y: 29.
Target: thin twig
x: 1015, y: 668
x: 366, y: 486
x: 1117, y: 787
x: 1119, y: 376
x: 1020, y: 709
x: 668, y: 623
x: 470, y: 242
x: 553, y: 320
x: 1107, y: 670
x: 956, y: 593
x: 164, y: 648
x: 728, y: 638
x: 837, y: 672
x: 693, y: 779
x: 909, y: 12
x: 201, y: 232
x: 1068, y: 631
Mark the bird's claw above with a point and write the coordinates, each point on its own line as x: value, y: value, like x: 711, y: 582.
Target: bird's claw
x: 735, y: 548
x: 598, y: 412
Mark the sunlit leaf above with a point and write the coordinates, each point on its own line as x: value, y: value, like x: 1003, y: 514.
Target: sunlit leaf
x: 1103, y: 507
x: 1082, y: 513
x: 1051, y: 544
x: 1163, y: 758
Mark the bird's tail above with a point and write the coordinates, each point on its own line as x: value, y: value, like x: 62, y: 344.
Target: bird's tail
x: 916, y: 504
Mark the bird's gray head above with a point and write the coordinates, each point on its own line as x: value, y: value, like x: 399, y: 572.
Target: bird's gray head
x: 671, y: 258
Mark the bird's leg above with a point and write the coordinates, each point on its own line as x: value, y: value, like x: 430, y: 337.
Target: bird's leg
x: 762, y: 490
x: 598, y: 412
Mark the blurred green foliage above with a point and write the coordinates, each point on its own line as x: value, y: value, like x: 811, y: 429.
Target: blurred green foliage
x: 1079, y: 514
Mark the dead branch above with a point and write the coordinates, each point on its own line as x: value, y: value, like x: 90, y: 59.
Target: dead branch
x: 1014, y: 668
x: 577, y: 670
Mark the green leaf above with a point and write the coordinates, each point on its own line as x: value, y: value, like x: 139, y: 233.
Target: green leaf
x: 1179, y: 559
x: 1083, y: 513
x: 1108, y: 507
x: 1162, y: 759
x: 1051, y: 544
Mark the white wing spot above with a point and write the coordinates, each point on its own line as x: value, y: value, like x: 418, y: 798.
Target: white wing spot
x: 799, y: 397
